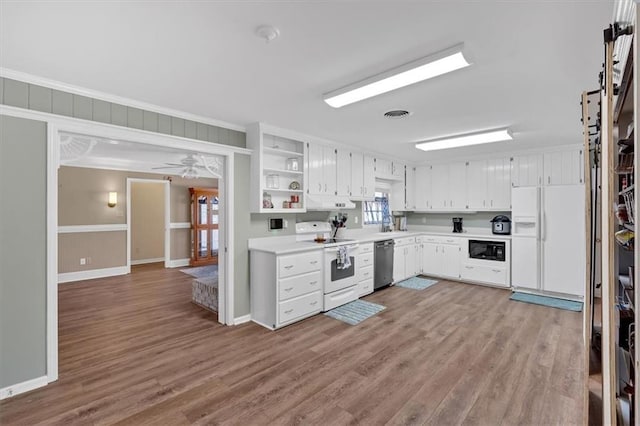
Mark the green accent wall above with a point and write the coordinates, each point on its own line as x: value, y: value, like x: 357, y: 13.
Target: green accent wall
x: 39, y: 98
x: 23, y: 250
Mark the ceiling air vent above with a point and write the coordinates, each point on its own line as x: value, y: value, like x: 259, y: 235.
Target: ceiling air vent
x: 397, y: 113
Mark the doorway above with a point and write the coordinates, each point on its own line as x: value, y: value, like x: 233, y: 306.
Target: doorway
x: 148, y: 221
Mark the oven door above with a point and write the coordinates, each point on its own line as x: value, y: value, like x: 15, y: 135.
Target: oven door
x: 337, y: 278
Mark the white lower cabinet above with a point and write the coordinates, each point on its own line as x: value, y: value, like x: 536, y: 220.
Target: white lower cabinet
x: 441, y: 256
x: 365, y: 269
x: 285, y: 288
x: 497, y: 275
x: 406, y: 258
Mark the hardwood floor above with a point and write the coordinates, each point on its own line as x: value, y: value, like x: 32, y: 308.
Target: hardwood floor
x: 134, y: 350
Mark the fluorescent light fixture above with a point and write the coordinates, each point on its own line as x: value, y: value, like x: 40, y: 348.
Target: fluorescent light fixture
x: 422, y: 69
x: 466, y: 140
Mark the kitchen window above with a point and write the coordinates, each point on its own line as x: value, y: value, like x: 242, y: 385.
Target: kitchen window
x: 377, y: 212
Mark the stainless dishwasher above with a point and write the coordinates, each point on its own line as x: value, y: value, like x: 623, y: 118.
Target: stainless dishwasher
x: 383, y: 264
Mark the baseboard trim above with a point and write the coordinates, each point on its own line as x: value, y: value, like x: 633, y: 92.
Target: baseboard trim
x: 90, y: 274
x: 145, y: 261
x: 242, y: 319
x: 23, y: 387
x: 178, y: 263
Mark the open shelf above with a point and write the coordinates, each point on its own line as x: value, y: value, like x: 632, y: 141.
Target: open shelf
x: 282, y: 171
x: 282, y: 152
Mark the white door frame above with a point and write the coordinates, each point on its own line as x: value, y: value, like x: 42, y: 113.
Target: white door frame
x: 167, y: 218
x: 57, y: 124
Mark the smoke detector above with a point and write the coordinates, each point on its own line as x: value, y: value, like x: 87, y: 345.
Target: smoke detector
x: 396, y: 114
x: 267, y: 32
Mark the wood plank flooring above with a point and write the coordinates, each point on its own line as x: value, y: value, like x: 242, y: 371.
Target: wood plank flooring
x: 135, y: 351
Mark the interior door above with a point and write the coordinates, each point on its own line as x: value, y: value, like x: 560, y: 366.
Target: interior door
x: 563, y: 239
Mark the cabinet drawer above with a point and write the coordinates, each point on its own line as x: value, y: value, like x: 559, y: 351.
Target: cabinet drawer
x: 299, y: 307
x: 366, y: 260
x: 299, y: 285
x: 365, y: 248
x: 485, y: 274
x: 295, y: 264
x: 365, y: 274
x: 365, y: 287
x: 340, y: 297
x: 441, y: 240
x: 404, y: 241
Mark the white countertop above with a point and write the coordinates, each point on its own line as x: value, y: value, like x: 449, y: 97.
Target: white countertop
x: 288, y: 244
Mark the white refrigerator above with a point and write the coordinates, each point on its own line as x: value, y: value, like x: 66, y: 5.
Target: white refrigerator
x: 548, y: 252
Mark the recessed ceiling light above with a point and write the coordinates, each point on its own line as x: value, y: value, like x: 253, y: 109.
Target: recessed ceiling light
x: 397, y: 113
x: 422, y: 69
x: 466, y: 140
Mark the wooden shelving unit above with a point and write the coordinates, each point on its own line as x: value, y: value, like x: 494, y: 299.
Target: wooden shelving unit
x: 617, y: 158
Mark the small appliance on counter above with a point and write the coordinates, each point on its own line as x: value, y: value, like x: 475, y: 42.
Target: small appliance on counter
x: 457, y: 224
x: 501, y: 225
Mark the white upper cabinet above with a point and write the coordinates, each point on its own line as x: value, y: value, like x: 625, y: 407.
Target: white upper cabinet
x: 477, y: 181
x: 563, y: 167
x: 357, y: 170
x: 410, y: 188
x: 397, y: 170
x: 440, y: 187
x: 384, y: 168
x: 499, y: 184
x: 422, y: 188
x: 343, y: 172
x: 458, y: 186
x: 369, y: 178
x: 322, y: 169
x: 527, y: 170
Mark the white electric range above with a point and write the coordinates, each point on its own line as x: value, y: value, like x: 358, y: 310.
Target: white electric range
x: 339, y: 254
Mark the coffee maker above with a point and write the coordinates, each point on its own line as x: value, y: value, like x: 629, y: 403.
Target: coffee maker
x: 457, y: 224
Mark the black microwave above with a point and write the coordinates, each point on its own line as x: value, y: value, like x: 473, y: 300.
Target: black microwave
x: 487, y: 250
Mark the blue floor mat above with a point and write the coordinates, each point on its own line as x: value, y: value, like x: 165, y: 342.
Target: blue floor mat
x: 355, y: 312
x: 417, y: 283
x: 552, y: 302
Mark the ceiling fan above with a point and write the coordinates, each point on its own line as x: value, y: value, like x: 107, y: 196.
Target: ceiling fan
x: 192, y: 165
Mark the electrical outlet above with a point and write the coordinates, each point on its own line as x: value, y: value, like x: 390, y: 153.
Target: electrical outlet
x: 285, y: 224
x: 83, y: 261
x: 355, y: 220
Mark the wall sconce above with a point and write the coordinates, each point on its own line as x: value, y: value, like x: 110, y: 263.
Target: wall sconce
x: 113, y: 199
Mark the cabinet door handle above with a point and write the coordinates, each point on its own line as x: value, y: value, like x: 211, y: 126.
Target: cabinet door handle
x: 313, y: 303
x: 496, y: 270
x: 469, y: 267
x: 313, y: 282
x: 436, y: 249
x: 325, y: 187
x: 549, y: 179
x: 449, y: 241
x: 288, y: 267
x: 288, y: 311
x: 491, y: 203
x: 319, y: 187
x: 288, y: 289
x: 313, y: 262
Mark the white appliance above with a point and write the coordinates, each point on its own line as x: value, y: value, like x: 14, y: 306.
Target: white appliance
x: 548, y: 239
x: 340, y: 281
